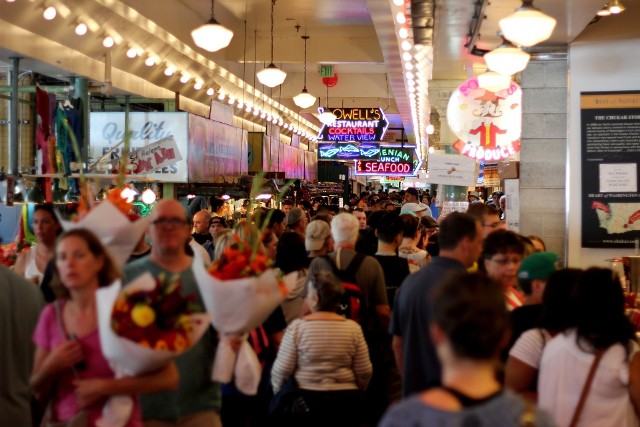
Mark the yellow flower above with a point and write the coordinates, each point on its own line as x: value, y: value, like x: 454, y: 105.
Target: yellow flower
x: 143, y: 315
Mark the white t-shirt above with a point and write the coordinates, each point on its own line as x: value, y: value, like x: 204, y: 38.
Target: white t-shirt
x: 528, y: 348
x: 563, y: 372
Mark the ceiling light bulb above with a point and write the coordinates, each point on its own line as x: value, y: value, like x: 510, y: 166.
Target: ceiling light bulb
x: 507, y: 59
x: 263, y: 115
x: 240, y: 104
x: 150, y: 61
x: 271, y: 76
x: 255, y: 111
x: 407, y: 56
x: 221, y: 95
x: 232, y: 100
x: 108, y: 42
x: 280, y: 122
x: 403, y: 33
x: 248, y: 109
x: 400, y: 18
x: 616, y: 7
x: 185, y: 77
x: 604, y: 11
x: 210, y: 91
x: 169, y: 70
x: 409, y: 75
x: 198, y: 85
x: 408, y: 66
x: 527, y: 26
x: 406, y: 45
x: 398, y: 2
x: 327, y: 117
x: 49, y: 13
x: 304, y: 99
x: 212, y: 36
x: 430, y: 129
x: 81, y: 29
x: 493, y: 82
x: 132, y: 52
x: 274, y: 120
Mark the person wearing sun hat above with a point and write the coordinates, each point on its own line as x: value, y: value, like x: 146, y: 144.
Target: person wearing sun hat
x: 318, y: 241
x: 532, y: 279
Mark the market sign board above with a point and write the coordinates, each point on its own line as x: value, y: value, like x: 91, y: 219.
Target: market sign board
x: 349, y: 151
x: 355, y: 125
x: 488, y: 125
x: 452, y: 169
x: 393, y: 161
x: 158, y: 142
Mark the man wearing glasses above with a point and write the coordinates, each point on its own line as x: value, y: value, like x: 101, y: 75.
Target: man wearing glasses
x: 197, y: 401
x: 488, y: 216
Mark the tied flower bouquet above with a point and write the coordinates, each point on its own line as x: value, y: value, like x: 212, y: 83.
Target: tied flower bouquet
x: 9, y: 253
x: 240, y: 290
x: 142, y: 328
x: 112, y: 222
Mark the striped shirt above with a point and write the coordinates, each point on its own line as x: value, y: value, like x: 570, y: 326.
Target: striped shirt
x: 324, y: 355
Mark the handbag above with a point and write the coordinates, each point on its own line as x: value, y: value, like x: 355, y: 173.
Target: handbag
x: 288, y: 400
x: 80, y: 419
x: 585, y: 389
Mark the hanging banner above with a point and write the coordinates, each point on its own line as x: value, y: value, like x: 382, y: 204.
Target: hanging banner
x: 487, y: 124
x: 610, y: 147
x: 107, y: 130
x: 349, y: 151
x: 394, y: 161
x: 355, y: 125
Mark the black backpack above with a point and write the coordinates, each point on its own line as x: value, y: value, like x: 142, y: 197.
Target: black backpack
x: 353, y: 303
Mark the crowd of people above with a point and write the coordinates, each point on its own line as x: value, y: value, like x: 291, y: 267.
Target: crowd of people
x: 398, y: 317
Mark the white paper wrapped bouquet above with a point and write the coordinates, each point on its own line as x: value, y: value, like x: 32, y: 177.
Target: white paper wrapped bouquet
x: 142, y: 328
x: 112, y: 222
x: 240, y: 291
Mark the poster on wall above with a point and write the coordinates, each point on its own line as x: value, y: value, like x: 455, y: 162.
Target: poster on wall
x: 153, y: 131
x: 610, y: 129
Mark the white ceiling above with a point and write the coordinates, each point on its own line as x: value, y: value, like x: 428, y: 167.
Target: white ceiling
x: 357, y: 36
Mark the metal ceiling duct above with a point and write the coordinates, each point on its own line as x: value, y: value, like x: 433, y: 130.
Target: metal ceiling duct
x: 422, y: 21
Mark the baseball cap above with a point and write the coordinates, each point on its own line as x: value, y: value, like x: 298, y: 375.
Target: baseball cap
x: 412, y: 208
x: 538, y: 266
x: 316, y: 233
x: 294, y: 215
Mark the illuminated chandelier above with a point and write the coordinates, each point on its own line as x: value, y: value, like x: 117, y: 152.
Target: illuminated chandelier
x: 211, y: 36
x: 271, y: 76
x: 304, y: 99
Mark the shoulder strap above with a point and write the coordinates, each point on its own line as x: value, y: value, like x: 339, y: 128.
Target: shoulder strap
x: 587, y: 386
x: 354, y: 265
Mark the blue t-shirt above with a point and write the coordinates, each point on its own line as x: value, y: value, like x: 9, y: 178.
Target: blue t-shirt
x: 412, y: 313
x: 505, y: 410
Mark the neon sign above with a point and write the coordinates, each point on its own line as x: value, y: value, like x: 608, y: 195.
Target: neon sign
x: 348, y: 151
x: 354, y: 124
x: 487, y: 124
x: 394, y: 161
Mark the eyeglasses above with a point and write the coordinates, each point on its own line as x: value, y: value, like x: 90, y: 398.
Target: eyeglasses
x: 505, y: 261
x: 492, y: 225
x: 165, y: 222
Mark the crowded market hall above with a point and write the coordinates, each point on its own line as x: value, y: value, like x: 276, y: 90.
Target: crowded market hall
x: 345, y: 213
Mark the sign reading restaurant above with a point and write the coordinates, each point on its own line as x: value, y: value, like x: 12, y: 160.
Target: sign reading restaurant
x: 394, y: 161
x: 355, y: 125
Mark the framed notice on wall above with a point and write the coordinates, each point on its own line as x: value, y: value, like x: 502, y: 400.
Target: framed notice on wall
x: 610, y: 156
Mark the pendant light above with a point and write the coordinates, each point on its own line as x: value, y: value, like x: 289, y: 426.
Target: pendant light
x: 326, y: 116
x: 211, y: 36
x: 271, y: 76
x: 527, y: 26
x: 304, y: 99
x: 493, y: 82
x: 506, y: 59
